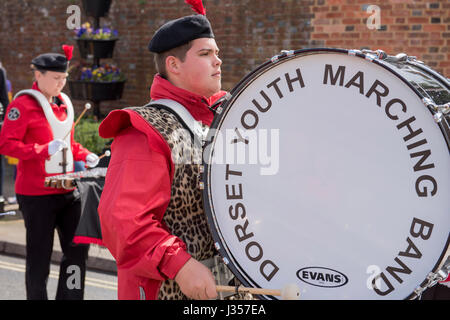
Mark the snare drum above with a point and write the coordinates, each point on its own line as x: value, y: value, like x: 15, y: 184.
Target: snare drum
x: 69, y: 180
x: 330, y: 169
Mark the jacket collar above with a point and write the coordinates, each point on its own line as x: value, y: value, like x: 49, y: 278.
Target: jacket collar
x: 197, y: 105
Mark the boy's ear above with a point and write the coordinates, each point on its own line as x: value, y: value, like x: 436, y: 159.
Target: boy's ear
x: 37, y: 75
x: 172, y: 65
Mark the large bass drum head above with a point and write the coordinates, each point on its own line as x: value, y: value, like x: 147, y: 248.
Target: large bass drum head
x: 327, y: 171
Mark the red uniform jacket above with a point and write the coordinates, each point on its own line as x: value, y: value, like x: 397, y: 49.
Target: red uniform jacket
x: 26, y: 138
x: 137, y: 192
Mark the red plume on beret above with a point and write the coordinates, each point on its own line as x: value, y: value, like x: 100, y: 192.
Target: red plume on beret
x: 68, y: 51
x: 197, y: 6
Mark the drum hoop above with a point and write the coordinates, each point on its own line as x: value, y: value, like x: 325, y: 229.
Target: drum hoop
x: 219, y: 242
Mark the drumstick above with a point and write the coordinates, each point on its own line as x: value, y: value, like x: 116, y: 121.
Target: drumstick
x: 106, y: 154
x: 289, y: 292
x: 87, y: 106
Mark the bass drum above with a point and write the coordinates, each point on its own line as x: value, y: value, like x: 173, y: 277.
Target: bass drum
x: 330, y: 169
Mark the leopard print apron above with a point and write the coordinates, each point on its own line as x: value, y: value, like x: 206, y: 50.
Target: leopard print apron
x: 185, y: 216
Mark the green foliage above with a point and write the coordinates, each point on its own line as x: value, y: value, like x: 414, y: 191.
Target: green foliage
x: 86, y: 133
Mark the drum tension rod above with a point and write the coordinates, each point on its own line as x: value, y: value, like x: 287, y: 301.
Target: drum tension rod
x: 440, y: 110
x: 381, y: 55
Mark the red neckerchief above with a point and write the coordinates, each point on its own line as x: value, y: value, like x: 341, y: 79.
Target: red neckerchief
x: 197, y: 105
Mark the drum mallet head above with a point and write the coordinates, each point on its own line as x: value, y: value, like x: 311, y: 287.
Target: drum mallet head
x: 290, y: 292
x: 106, y: 154
x: 87, y: 106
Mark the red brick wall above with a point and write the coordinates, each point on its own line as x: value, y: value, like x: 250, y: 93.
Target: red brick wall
x: 247, y: 31
x: 418, y: 28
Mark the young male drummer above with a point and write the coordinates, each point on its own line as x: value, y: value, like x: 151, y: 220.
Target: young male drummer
x: 151, y: 214
x: 36, y: 131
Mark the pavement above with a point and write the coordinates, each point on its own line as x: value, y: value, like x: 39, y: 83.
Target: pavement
x: 12, y: 234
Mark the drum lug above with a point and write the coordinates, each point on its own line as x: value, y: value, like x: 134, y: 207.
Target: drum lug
x: 433, y: 278
x: 275, y: 58
x: 227, y: 97
x: 438, y: 117
x: 378, y: 54
x: 287, y: 53
x: 354, y: 52
x: 283, y: 54
x: 440, y: 110
x: 428, y: 103
x: 401, y: 57
x: 444, y: 108
x: 381, y: 55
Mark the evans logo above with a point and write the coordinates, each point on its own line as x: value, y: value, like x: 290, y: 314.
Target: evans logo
x: 322, y: 277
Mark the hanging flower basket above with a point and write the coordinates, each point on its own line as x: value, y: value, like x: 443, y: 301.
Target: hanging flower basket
x: 101, y: 49
x: 95, y: 43
x: 96, y: 91
x: 96, y: 8
x: 105, y: 82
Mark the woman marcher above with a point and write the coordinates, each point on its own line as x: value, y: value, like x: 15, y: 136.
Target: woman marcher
x: 36, y: 131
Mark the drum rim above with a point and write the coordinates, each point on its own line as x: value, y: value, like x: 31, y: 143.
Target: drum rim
x: 208, y: 203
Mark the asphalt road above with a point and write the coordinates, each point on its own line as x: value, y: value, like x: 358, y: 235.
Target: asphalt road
x: 98, y: 286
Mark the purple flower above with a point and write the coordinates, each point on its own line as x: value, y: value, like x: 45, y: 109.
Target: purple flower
x: 81, y: 32
x: 86, y: 74
x: 104, y: 72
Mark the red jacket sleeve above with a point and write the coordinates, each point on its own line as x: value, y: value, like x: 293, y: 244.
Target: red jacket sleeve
x: 12, y: 142
x: 135, y: 196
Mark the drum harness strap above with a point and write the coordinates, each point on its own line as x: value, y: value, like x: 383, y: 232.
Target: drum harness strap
x: 59, y: 130
x: 186, y: 119
x: 222, y: 274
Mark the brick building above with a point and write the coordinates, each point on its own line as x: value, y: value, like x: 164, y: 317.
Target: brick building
x: 247, y: 31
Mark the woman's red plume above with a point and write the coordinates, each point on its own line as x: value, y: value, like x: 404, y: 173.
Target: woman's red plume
x: 68, y: 51
x: 197, y: 6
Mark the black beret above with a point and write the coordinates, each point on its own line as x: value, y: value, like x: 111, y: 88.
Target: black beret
x: 180, y: 31
x: 51, y: 62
